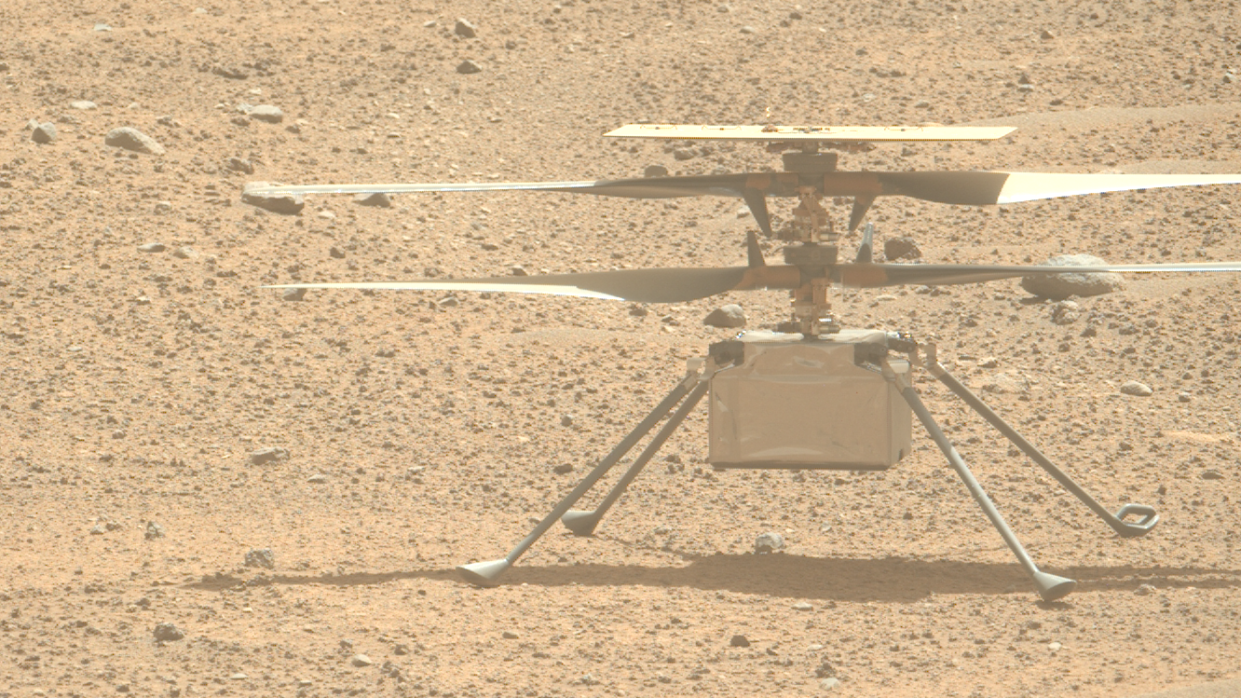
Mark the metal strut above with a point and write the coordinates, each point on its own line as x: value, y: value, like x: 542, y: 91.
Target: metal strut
x: 693, y: 384
x: 1050, y: 587
x: 1126, y: 529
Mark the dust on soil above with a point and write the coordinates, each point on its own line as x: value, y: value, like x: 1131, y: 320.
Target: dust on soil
x: 423, y: 435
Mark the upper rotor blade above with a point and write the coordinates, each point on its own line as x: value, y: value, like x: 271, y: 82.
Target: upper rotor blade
x: 639, y: 285
x: 636, y: 188
x: 876, y: 275
x: 988, y: 188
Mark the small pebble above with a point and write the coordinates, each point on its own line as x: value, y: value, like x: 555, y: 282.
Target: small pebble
x: 802, y: 606
x: 152, y: 247
x: 44, y: 133
x: 739, y: 641
x: 465, y: 28
x: 1136, y: 388
x: 261, y: 557
x: 267, y: 113
x: 167, y: 632
x: 361, y: 660
x: 768, y: 542
x: 133, y: 139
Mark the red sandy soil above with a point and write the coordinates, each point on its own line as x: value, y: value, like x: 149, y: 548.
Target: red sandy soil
x: 135, y: 384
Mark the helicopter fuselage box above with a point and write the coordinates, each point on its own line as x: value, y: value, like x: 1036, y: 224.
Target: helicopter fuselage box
x: 780, y: 401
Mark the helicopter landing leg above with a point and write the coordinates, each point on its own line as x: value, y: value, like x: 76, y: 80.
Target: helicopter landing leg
x: 487, y: 574
x: 1050, y: 587
x: 1125, y: 529
x: 583, y: 523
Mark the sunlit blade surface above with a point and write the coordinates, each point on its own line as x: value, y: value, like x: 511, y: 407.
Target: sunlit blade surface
x: 853, y: 134
x: 636, y: 188
x: 639, y: 285
x: 987, y: 188
x: 961, y: 188
x: 876, y: 275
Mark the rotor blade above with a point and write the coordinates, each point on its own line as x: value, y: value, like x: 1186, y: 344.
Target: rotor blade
x: 876, y: 275
x: 988, y: 188
x: 639, y: 285
x: 636, y: 188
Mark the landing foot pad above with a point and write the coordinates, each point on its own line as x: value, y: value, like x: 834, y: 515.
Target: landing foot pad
x: 484, y: 574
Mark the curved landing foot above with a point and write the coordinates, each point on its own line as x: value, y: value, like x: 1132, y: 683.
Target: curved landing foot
x: 1051, y: 587
x: 484, y: 574
x: 582, y: 523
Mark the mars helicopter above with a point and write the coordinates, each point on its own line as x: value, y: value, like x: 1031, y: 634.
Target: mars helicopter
x: 812, y: 395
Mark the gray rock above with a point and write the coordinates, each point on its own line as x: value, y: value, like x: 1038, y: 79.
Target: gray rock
x: 43, y: 133
x: 268, y: 455
x: 901, y: 248
x: 739, y: 641
x: 133, y: 139
x: 152, y: 247
x: 153, y: 531
x: 468, y: 67
x: 1065, y: 312
x: 684, y: 153
x: 730, y: 315
x: 293, y: 294
x: 167, y: 632
x: 448, y: 302
x: 518, y: 270
x: 1211, y: 475
x: 377, y: 199
x: 1136, y: 388
x: 1061, y: 286
x: 237, y: 164
x: 655, y: 171
x: 768, y: 542
x: 1144, y: 590
x: 230, y: 72
x: 465, y: 29
x: 83, y: 104
x: 361, y: 660
x: 288, y: 204
x: 261, y: 557
x: 563, y: 469
x: 267, y: 113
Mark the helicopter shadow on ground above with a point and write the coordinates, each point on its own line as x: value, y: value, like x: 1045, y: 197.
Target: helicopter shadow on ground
x: 893, y: 579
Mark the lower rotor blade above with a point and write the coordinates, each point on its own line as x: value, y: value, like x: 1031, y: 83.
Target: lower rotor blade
x: 636, y: 188
x: 989, y: 188
x: 638, y: 285
x: 877, y: 275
